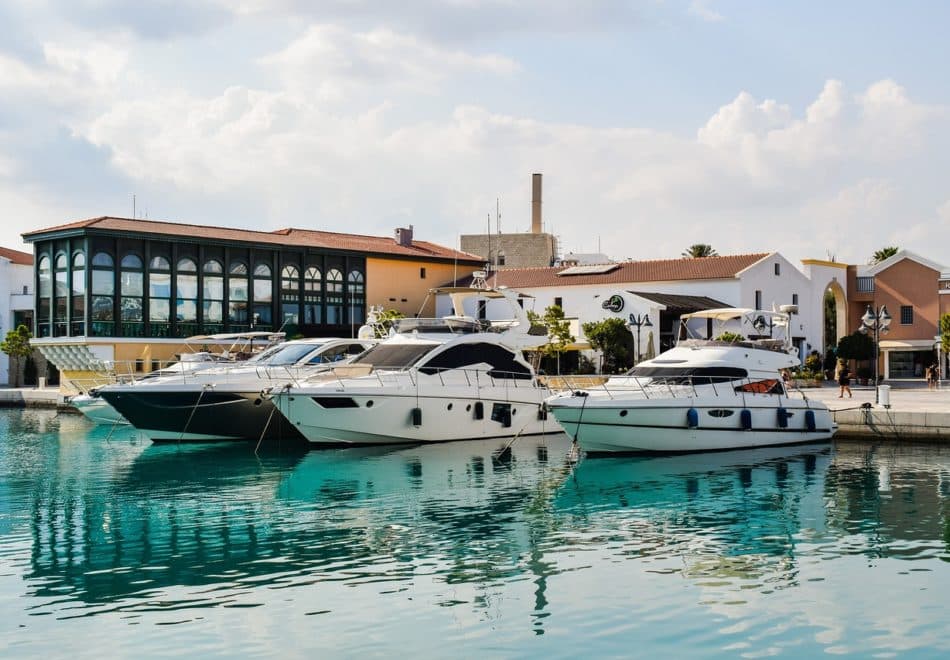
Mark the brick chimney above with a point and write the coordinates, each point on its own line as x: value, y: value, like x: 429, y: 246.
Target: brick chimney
x: 535, y: 203
x: 404, y: 236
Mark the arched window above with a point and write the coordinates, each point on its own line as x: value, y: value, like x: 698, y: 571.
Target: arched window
x: 78, y: 323
x: 159, y: 296
x: 263, y: 295
x: 290, y: 295
x: 103, y: 290
x: 44, y: 271
x: 356, y: 290
x: 131, y: 292
x: 213, y: 292
x: 186, y: 302
x: 334, y: 297
x: 60, y: 295
x: 313, y: 296
x: 237, y: 293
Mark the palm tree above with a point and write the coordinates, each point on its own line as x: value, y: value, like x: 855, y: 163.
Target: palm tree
x: 700, y: 250
x: 884, y: 253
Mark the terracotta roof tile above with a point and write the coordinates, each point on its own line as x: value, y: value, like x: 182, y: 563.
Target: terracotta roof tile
x: 289, y: 236
x: 661, y: 270
x: 17, y: 257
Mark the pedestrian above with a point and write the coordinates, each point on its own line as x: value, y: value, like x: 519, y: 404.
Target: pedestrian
x: 933, y: 376
x: 844, y: 379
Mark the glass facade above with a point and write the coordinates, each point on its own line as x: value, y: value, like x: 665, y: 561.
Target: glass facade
x: 122, y: 287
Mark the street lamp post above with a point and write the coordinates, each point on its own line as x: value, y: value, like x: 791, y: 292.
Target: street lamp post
x: 637, y: 321
x: 875, y: 323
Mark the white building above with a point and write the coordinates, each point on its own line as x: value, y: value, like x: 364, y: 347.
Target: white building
x: 16, y: 298
x: 638, y: 288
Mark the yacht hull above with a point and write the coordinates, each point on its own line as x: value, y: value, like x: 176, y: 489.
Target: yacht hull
x: 374, y: 418
x: 201, y: 415
x: 650, y: 426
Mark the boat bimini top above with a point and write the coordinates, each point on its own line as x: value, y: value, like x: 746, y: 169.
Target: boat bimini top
x: 755, y: 328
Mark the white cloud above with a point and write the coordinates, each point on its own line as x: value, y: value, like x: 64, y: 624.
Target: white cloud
x: 701, y: 9
x: 330, y: 62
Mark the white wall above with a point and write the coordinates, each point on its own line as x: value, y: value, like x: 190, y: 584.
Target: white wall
x: 13, y: 277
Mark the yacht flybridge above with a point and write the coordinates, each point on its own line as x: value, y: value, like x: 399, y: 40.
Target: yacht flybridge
x: 432, y: 380
x: 723, y: 390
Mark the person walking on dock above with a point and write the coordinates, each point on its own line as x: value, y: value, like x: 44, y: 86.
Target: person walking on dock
x: 843, y: 376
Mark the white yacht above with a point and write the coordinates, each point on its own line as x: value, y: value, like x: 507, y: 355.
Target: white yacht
x: 225, y: 403
x: 725, y: 391
x: 432, y: 380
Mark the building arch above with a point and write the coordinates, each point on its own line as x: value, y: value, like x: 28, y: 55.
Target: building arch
x: 840, y: 298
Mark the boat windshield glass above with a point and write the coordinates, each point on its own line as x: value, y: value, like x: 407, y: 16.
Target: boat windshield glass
x: 269, y: 352
x: 290, y: 354
x: 689, y: 375
x: 453, y: 325
x: 394, y: 356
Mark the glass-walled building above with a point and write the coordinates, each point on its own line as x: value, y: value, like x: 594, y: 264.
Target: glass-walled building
x: 139, y: 282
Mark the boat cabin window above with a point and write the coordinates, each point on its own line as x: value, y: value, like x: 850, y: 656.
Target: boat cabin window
x: 503, y: 363
x: 689, y: 375
x: 766, y: 386
x: 289, y: 354
x: 341, y: 352
x: 394, y: 356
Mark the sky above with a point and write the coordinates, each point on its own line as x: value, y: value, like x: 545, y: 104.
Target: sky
x: 819, y: 130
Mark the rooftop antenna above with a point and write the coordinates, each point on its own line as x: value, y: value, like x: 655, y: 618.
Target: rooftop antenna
x: 133, y: 206
x: 497, y: 216
x: 488, y: 265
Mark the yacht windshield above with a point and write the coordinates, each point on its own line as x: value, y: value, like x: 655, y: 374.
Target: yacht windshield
x: 689, y: 375
x: 394, y: 356
x: 290, y: 354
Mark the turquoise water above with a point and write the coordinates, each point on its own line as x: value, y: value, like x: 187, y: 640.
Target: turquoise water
x: 110, y: 545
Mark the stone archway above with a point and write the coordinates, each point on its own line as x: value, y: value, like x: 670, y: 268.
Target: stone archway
x: 841, y: 314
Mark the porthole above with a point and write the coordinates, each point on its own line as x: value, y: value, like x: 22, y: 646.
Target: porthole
x: 369, y: 404
x: 514, y: 411
x: 721, y: 412
x: 449, y: 407
x: 468, y: 407
x: 623, y: 413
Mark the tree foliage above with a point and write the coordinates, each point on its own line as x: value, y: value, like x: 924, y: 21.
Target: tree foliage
x: 615, y: 342
x: 884, y: 253
x: 698, y: 250
x: 856, y: 346
x: 17, y: 346
x: 945, y: 334
x: 559, y: 330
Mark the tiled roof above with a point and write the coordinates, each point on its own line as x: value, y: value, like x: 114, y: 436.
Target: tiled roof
x: 17, y: 257
x: 285, y: 237
x: 660, y: 270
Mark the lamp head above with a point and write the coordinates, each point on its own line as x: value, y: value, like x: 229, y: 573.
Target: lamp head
x: 869, y: 319
x: 885, y: 318
x: 646, y: 321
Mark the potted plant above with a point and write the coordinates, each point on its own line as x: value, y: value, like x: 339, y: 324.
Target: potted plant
x: 865, y: 374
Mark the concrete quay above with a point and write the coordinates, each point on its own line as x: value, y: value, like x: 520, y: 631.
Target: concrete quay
x: 34, y: 397
x: 915, y: 412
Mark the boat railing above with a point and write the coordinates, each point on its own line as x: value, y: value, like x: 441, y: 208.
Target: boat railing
x: 358, y: 375
x: 681, y: 387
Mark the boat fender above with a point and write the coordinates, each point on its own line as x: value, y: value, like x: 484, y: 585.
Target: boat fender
x: 580, y: 393
x: 782, y: 417
x: 416, y: 416
x: 810, y: 420
x: 479, y: 410
x: 692, y: 418
x: 745, y: 418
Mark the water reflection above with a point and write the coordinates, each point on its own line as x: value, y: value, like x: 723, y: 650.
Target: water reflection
x: 98, y: 521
